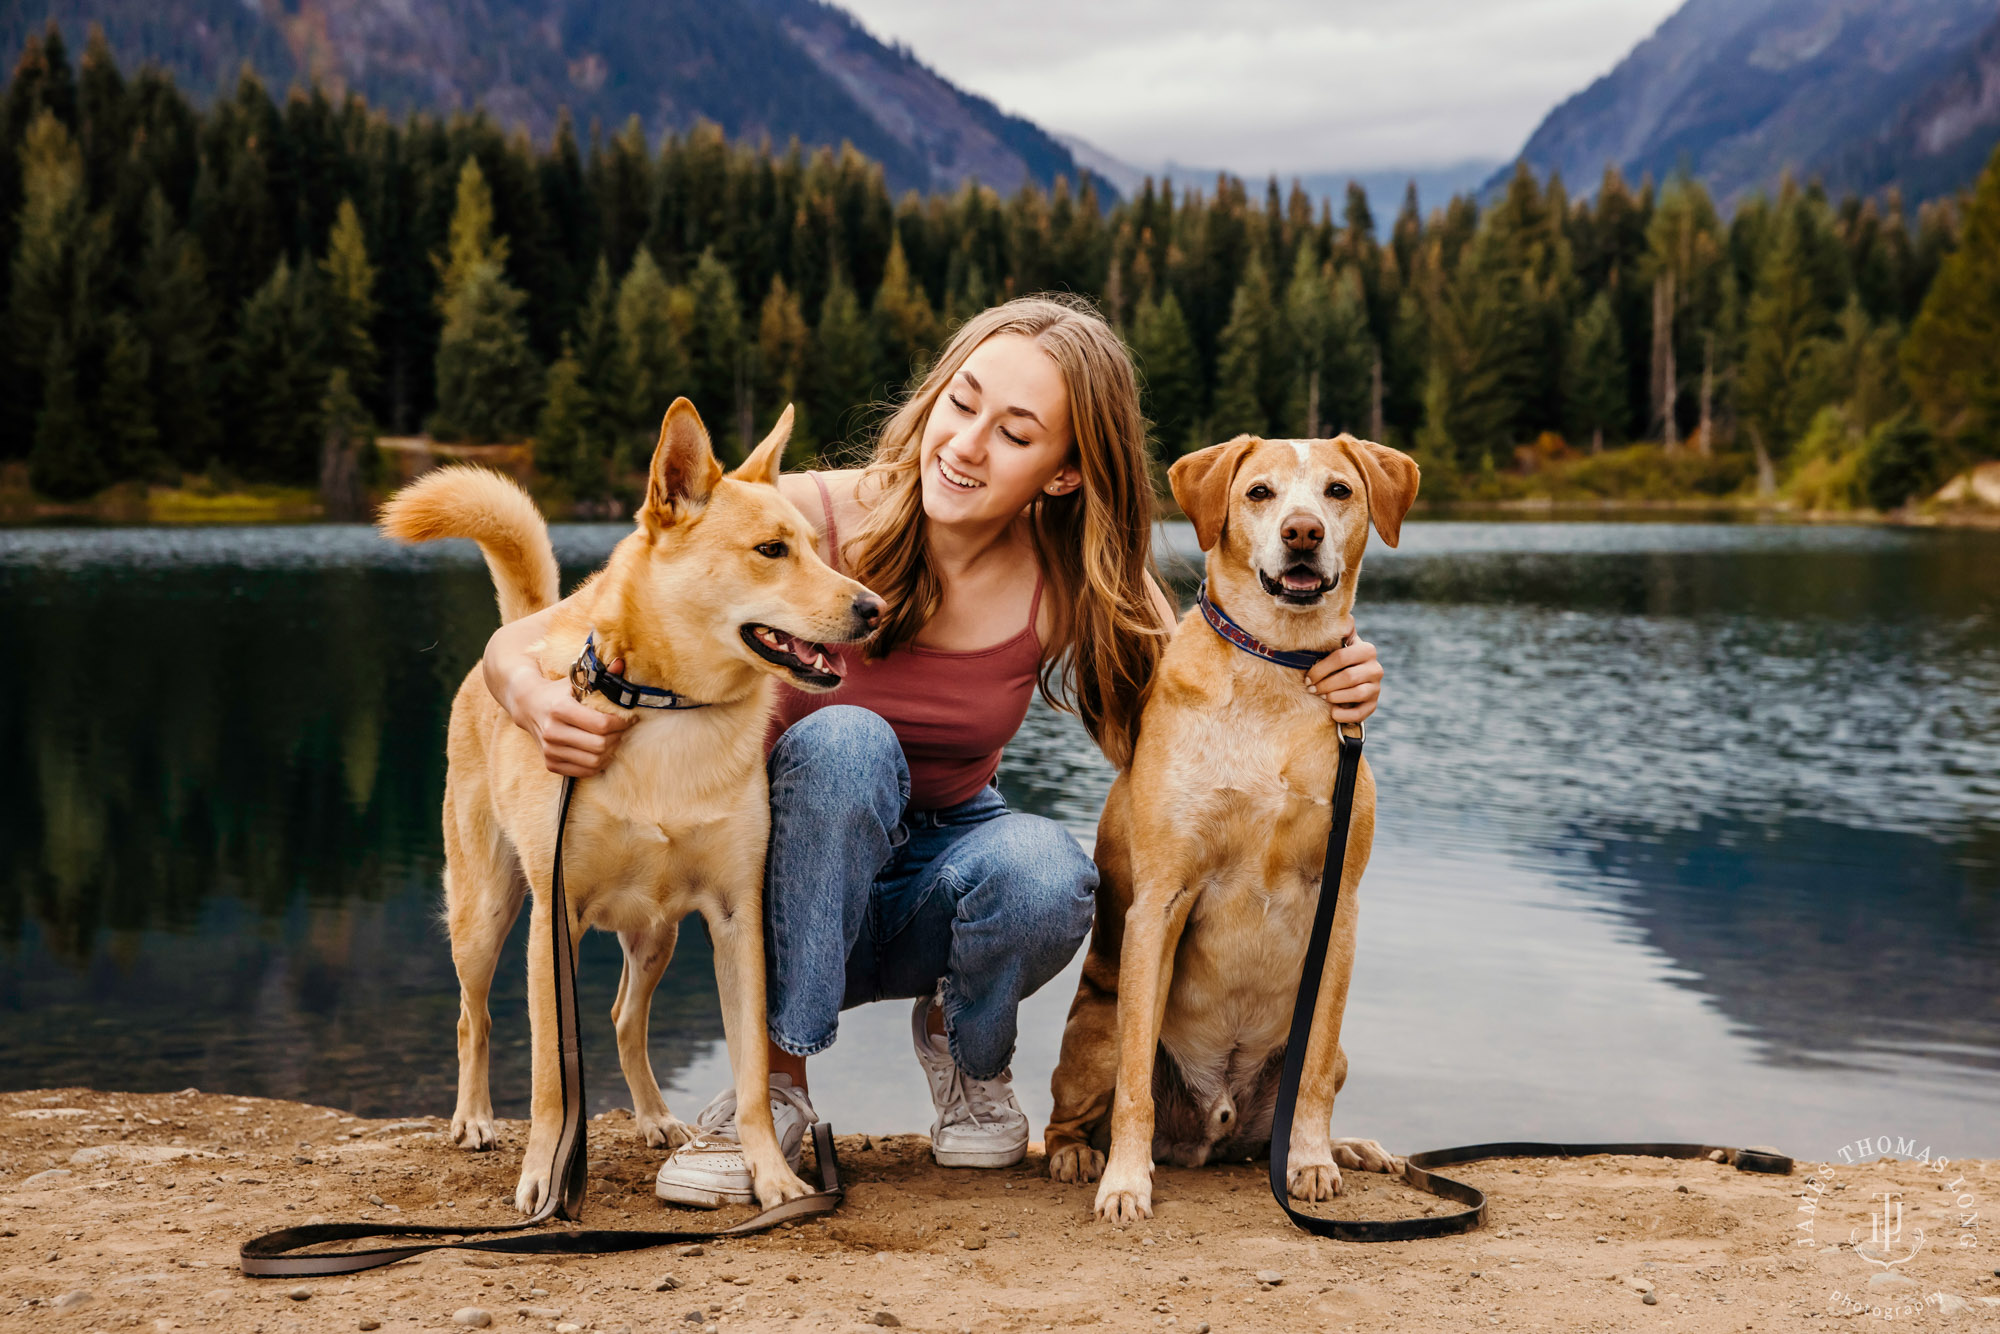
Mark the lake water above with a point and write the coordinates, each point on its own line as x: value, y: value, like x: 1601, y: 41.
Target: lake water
x: 1686, y: 831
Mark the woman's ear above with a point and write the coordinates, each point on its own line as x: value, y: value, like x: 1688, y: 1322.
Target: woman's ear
x: 1068, y: 478
x: 1200, y: 484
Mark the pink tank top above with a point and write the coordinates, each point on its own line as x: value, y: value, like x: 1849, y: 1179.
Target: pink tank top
x: 952, y: 711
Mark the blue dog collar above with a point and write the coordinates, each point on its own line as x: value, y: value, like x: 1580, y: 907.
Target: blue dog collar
x: 587, y: 674
x: 1218, y: 621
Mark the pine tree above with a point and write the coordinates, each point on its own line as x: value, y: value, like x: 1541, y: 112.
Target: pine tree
x: 1325, y: 324
x: 126, y: 423
x: 176, y: 316
x: 842, y: 366
x: 655, y: 356
x: 277, y: 382
x: 1594, y: 374
x: 584, y: 439
x: 716, y: 372
x: 1248, y: 359
x: 905, y: 329
x: 1785, y: 345
x: 783, y: 340
x: 1169, y: 372
x: 54, y: 316
x: 348, y: 282
x: 347, y: 449
x: 1949, y: 356
x: 488, y: 384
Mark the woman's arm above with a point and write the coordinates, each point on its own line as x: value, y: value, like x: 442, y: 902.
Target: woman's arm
x: 576, y: 742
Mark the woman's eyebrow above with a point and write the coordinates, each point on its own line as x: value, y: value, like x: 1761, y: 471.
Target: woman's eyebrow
x: 1012, y: 412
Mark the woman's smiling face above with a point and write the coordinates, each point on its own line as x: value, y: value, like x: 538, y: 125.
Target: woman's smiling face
x: 998, y: 436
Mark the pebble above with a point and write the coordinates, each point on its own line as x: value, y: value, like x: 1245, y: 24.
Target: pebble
x: 1270, y: 1278
x: 667, y: 1283
x: 1890, y: 1282
x: 370, y: 1322
x: 49, y: 1177
x: 689, y: 1252
x: 72, y: 1299
x: 375, y: 1200
x: 887, y: 1319
x: 1201, y: 1327
x: 1650, y: 1298
x: 975, y: 1243
x: 1950, y: 1303
x: 541, y: 1312
x: 473, y: 1317
x: 695, y: 1318
x: 566, y: 1327
x: 300, y: 1294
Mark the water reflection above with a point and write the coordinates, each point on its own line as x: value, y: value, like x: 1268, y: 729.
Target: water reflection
x: 1672, y: 815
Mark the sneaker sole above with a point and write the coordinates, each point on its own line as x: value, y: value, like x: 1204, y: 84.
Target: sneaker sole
x: 979, y: 1157
x: 696, y: 1198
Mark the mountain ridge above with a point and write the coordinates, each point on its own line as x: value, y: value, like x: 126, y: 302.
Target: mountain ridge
x: 779, y: 68
x: 1741, y: 92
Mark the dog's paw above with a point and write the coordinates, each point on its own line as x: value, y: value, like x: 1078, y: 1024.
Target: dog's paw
x: 663, y: 1131
x: 1075, y: 1162
x: 1365, y: 1155
x: 775, y: 1187
x: 534, y: 1187
x: 1312, y: 1181
x: 1125, y: 1197
x: 473, y: 1130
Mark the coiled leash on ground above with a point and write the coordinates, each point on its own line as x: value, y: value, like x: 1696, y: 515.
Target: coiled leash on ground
x: 275, y: 1254
x: 1417, y: 1173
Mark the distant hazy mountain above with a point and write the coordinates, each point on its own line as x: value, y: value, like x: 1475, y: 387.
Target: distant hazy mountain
x: 1862, y: 93
x: 1385, y: 185
x: 779, y: 67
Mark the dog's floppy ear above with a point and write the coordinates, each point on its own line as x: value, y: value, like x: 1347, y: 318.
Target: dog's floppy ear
x: 1392, y: 485
x: 1201, y: 485
x: 762, y: 465
x: 684, y: 469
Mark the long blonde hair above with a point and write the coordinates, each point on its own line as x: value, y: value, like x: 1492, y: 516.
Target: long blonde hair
x: 1094, y: 544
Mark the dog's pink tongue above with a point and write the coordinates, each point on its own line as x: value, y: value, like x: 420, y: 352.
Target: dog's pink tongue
x: 812, y: 655
x: 1302, y: 581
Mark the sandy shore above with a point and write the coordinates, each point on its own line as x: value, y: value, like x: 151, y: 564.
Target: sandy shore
x: 125, y: 1211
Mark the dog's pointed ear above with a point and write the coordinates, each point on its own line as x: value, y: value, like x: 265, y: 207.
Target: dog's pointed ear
x: 1200, y: 484
x: 1392, y: 485
x: 684, y: 469
x: 762, y: 465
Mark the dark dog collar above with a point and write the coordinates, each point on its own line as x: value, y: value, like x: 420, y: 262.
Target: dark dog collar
x: 1218, y: 621
x: 587, y: 674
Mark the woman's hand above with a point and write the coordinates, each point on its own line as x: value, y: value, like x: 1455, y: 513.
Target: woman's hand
x: 576, y: 741
x: 1349, y: 679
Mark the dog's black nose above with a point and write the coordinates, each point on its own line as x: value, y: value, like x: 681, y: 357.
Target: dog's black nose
x: 1303, y: 532
x: 868, y: 609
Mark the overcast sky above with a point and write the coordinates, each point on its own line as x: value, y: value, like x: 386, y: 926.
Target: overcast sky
x: 1258, y: 86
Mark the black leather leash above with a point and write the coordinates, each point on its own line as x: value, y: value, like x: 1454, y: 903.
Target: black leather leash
x: 1417, y: 1171
x: 274, y: 1255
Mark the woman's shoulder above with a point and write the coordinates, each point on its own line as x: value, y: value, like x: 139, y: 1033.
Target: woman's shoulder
x: 803, y: 490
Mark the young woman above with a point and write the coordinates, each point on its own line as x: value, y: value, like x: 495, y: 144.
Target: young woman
x: 1006, y: 519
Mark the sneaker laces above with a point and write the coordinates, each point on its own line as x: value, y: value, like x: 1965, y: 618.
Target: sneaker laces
x: 715, y: 1127
x: 979, y: 1101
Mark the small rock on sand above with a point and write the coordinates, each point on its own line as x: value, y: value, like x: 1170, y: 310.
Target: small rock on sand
x: 1270, y: 1278
x: 1650, y: 1298
x: 370, y: 1322
x: 300, y: 1294
x: 472, y: 1317
x: 568, y: 1328
x: 1889, y: 1282
x: 72, y: 1299
x: 667, y: 1283
x: 48, y: 1178
x: 689, y: 1252
x: 1950, y: 1303
x: 887, y: 1319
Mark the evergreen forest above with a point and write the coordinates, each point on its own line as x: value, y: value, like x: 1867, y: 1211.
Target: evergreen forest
x: 251, y: 291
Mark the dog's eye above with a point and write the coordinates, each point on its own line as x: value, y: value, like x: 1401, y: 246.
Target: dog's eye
x: 1258, y: 492
x: 1339, y: 490
x: 772, y: 549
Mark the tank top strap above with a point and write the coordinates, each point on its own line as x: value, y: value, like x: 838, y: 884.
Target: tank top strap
x: 833, y: 530
x: 1035, y: 605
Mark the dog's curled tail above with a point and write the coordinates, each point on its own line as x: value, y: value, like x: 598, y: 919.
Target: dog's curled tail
x: 463, y: 500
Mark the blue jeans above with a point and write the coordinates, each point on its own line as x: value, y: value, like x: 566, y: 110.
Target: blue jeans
x: 865, y: 899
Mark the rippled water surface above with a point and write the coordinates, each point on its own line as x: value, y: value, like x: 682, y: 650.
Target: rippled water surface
x: 1685, y: 830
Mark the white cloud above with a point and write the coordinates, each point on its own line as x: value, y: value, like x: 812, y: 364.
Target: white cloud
x: 1276, y: 85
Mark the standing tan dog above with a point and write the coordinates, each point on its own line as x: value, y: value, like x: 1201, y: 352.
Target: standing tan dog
x: 1211, y: 845
x: 717, y: 593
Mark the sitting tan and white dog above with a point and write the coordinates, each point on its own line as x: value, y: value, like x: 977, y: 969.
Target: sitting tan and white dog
x: 717, y: 594
x: 1211, y: 844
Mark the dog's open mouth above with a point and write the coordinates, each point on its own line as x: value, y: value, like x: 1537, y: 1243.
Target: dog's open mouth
x: 1300, y: 585
x: 809, y: 663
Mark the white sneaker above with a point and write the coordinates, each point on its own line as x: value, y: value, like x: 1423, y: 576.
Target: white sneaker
x: 708, y: 1171
x: 979, y: 1122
